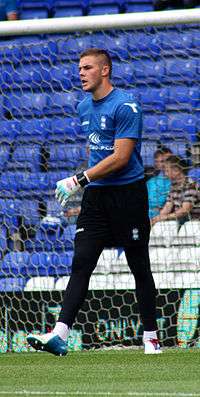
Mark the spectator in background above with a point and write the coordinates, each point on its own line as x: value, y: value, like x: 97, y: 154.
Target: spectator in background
x: 160, y: 5
x: 8, y: 10
x: 159, y: 185
x: 183, y: 202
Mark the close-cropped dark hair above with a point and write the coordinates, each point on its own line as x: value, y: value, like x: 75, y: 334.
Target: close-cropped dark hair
x: 177, y: 162
x: 99, y: 52
x: 162, y: 150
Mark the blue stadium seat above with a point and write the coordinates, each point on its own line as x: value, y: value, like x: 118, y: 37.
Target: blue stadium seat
x: 115, y: 44
x: 155, y: 126
x: 154, y: 99
x: 5, y: 154
x: 137, y: 6
x: 34, y: 130
x: 48, y: 263
x: 24, y: 183
x: 10, y: 51
x: 55, y: 176
x: 53, y: 208
x: 148, y: 72
x: 181, y: 70
x: 29, y: 211
x: 68, y: 236
x: 178, y: 147
x: 69, y: 47
x: 194, y: 173
x: 64, y: 156
x: 102, y: 9
x: 122, y: 73
x: 45, y: 240
x: 28, y: 76
x: 143, y: 45
x: 60, y: 77
x: 34, y: 13
x: 8, y: 284
x: 147, y: 152
x: 35, y: 47
x: 65, y: 130
x: 9, y: 130
x: 26, y: 157
x: 28, y: 104
x: 183, y: 98
x: 2, y: 109
x: 3, y: 238
x: 62, y: 102
x: 182, y: 125
x: 10, y: 211
x: 70, y: 11
x: 14, y: 264
x: 175, y: 42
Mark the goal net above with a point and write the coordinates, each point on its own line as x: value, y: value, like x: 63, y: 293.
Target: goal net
x: 156, y: 58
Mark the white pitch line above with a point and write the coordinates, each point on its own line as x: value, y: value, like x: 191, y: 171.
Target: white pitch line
x: 81, y: 393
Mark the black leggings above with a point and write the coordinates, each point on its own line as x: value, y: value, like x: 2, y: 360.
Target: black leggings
x: 84, y: 262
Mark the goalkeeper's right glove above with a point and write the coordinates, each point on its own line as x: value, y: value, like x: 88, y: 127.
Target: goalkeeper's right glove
x: 69, y: 186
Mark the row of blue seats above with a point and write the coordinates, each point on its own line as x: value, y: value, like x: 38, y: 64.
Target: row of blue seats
x: 56, y: 9
x: 32, y: 158
x: 39, y: 131
x: 36, y: 264
x: 65, y: 77
x: 22, y: 141
x: 125, y: 45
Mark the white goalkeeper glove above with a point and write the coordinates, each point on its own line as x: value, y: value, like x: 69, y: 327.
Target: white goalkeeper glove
x: 69, y: 186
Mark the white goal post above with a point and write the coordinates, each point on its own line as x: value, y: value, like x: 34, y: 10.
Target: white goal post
x: 38, y: 93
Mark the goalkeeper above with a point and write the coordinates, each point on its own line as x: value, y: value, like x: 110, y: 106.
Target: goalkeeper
x: 114, y: 210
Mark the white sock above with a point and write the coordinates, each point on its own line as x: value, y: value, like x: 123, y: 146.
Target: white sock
x: 62, y: 330
x: 149, y: 335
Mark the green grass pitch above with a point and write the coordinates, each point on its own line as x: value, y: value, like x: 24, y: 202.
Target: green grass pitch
x: 101, y: 373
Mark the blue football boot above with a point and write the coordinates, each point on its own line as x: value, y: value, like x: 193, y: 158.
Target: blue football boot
x: 49, y: 343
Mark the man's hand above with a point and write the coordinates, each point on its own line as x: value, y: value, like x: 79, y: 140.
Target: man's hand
x: 66, y: 188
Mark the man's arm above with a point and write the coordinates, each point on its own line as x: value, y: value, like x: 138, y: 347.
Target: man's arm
x: 166, y: 214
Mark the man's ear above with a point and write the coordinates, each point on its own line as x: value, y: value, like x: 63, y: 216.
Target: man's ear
x: 105, y: 70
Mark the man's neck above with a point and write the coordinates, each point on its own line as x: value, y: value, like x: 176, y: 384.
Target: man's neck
x: 102, y: 92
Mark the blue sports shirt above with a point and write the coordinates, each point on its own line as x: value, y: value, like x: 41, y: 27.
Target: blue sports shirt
x: 115, y: 116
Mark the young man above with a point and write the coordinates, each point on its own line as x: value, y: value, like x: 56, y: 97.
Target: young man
x: 114, y: 210
x: 183, y: 202
x: 158, y: 186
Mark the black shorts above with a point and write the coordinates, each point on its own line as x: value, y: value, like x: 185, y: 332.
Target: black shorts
x: 117, y: 216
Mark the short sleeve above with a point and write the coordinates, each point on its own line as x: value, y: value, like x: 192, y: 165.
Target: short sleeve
x: 128, y: 121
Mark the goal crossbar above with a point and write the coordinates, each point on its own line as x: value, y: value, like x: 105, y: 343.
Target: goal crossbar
x: 99, y: 22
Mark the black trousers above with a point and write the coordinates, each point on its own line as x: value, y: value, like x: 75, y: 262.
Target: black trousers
x: 112, y: 217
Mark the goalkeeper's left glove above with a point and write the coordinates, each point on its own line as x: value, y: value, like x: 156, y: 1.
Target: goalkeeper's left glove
x: 69, y: 186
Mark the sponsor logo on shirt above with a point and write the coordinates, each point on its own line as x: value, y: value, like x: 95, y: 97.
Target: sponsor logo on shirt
x: 94, y: 138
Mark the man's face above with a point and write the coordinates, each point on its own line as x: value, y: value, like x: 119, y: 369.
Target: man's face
x: 172, y: 172
x: 90, y: 70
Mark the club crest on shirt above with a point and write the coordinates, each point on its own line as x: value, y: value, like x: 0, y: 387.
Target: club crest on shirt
x: 103, y: 122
